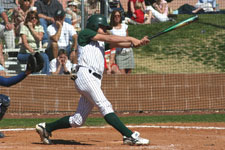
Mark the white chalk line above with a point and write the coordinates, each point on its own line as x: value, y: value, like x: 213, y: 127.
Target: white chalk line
x: 134, y: 126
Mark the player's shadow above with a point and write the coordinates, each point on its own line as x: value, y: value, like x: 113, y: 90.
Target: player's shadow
x: 211, y: 24
x: 65, y: 142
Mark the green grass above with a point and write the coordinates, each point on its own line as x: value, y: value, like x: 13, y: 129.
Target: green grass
x: 30, y: 123
x: 196, y: 48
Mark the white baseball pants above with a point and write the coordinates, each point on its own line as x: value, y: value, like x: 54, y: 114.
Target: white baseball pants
x: 91, y: 95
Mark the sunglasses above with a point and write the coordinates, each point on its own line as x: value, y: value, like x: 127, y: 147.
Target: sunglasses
x: 117, y: 16
x: 33, y: 18
x: 26, y: 0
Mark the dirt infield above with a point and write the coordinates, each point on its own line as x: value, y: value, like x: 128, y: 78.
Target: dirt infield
x: 162, y: 136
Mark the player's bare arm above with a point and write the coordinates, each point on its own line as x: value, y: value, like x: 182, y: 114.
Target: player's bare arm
x: 119, y: 41
x: 142, y: 42
x: 56, y: 37
x: 74, y: 45
x: 58, y: 67
x: 46, y: 17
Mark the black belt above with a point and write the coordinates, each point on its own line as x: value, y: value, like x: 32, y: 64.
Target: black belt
x: 95, y: 74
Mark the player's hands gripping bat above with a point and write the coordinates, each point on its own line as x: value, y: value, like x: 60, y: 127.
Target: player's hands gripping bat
x: 176, y: 26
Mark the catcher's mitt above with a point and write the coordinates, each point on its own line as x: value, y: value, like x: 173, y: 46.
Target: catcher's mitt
x: 35, y: 62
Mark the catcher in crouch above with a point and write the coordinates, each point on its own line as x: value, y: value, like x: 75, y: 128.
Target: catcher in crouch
x: 92, y: 43
x: 35, y: 64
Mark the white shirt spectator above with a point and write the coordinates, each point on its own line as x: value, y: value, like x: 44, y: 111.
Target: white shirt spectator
x: 54, y: 65
x: 120, y: 32
x: 67, y: 32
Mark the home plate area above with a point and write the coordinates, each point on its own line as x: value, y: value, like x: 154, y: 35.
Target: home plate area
x: 167, y: 136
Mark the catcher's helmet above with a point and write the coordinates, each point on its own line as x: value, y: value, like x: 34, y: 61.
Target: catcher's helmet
x: 94, y: 21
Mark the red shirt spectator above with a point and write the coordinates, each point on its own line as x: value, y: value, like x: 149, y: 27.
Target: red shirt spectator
x: 139, y: 16
x: 130, y: 7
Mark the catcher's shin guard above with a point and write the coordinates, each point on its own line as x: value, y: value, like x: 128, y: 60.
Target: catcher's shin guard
x: 4, y: 104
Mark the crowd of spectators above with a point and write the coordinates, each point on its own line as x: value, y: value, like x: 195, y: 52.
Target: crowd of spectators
x: 40, y: 26
x: 45, y: 26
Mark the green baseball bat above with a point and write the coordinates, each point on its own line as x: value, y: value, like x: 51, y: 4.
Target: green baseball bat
x: 176, y: 26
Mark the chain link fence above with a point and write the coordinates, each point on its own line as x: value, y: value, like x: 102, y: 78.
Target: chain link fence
x: 91, y: 7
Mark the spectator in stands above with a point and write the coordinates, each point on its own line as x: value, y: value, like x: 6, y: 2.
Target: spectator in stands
x: 60, y: 34
x: 20, y: 13
x: 205, y: 6
x: 6, y: 26
x: 32, y: 33
x: 140, y: 15
x: 72, y: 15
x: 46, y: 11
x: 159, y: 10
x: 116, y: 5
x: 124, y: 56
x: 110, y: 65
x: 61, y: 64
x: 161, y: 6
x: 136, y: 11
x: 131, y: 7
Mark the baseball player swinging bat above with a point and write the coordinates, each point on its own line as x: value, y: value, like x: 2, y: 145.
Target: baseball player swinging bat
x: 176, y: 26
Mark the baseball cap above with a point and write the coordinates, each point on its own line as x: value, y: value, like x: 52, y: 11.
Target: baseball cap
x: 33, y: 8
x: 60, y: 13
x: 72, y: 4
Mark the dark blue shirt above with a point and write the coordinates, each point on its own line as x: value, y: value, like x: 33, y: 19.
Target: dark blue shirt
x: 48, y: 10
